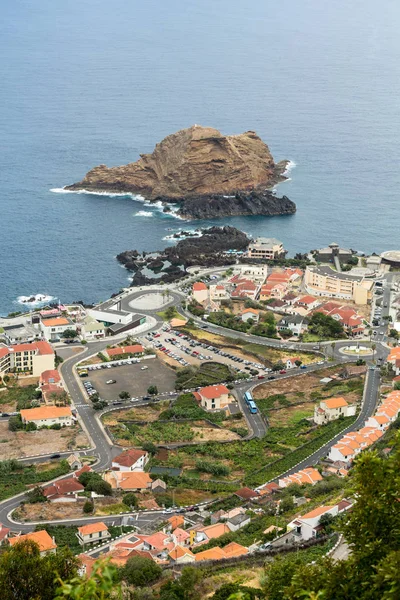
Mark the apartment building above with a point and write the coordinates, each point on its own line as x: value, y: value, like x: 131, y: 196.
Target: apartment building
x: 31, y: 358
x: 266, y: 249
x: 324, y: 281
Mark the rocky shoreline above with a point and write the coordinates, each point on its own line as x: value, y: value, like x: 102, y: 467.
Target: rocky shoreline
x: 171, y: 264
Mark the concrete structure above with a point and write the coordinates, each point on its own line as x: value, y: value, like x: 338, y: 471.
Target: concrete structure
x: 255, y: 273
x: 200, y: 292
x: 328, y: 254
x: 46, y: 543
x: 19, y: 334
x: 331, y: 409
x: 92, y: 329
x: 47, y: 416
x: 114, y: 318
x: 238, y: 521
x: 266, y: 249
x: 324, y: 281
x: 213, y: 397
x: 93, y: 533
x: 33, y: 358
x: 131, y: 460
x: 391, y: 257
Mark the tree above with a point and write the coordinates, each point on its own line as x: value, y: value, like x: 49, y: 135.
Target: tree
x: 141, y: 571
x: 170, y: 312
x: 35, y: 495
x: 99, y: 486
x: 298, y: 362
x: 325, y: 327
x: 326, y: 522
x: 25, y: 575
x: 278, y: 366
x: 88, y: 507
x: 393, y: 333
x: 373, y: 348
x: 101, y: 585
x: 152, y: 390
x: 15, y: 423
x: 150, y: 447
x: 124, y: 395
x: 190, y: 577
x: 129, y: 499
x: 69, y: 334
x: 286, y: 505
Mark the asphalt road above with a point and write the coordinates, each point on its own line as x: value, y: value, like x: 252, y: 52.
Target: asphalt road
x: 370, y: 400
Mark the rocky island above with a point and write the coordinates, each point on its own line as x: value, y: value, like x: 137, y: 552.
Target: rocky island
x: 205, y: 173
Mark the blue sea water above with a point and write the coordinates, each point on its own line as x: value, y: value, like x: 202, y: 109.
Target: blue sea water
x: 84, y: 83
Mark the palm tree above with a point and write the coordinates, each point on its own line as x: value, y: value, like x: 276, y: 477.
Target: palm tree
x: 333, y: 346
x: 373, y: 346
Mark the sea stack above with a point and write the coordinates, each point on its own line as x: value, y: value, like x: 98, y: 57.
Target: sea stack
x: 200, y: 164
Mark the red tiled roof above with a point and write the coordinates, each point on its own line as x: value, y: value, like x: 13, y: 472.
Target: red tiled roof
x: 56, y: 322
x: 42, y: 538
x: 134, y: 349
x: 129, y: 457
x: 246, y: 493
x: 64, y: 486
x: 213, y: 391
x: 92, y: 528
x: 50, y: 376
x: 198, y: 286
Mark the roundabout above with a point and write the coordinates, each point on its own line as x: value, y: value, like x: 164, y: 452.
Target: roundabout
x: 356, y: 350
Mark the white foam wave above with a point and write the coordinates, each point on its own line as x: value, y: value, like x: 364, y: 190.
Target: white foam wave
x: 144, y: 213
x: 137, y: 197
x: 34, y: 299
x: 289, y: 167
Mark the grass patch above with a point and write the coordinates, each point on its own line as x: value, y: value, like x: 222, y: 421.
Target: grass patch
x: 208, y: 373
x: 66, y: 536
x: 22, y: 397
x: 16, y: 478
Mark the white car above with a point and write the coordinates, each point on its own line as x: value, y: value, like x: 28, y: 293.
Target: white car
x: 143, y: 368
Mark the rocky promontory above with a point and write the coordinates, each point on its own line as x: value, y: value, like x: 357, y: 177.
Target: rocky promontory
x: 206, y: 173
x: 170, y: 264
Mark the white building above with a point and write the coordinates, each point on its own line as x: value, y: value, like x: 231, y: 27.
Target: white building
x: 93, y: 533
x: 33, y: 358
x: 200, y: 292
x: 53, y: 329
x: 48, y: 415
x: 131, y: 460
x: 331, y: 409
x: 92, y: 329
x: 250, y: 313
x: 266, y: 249
x: 213, y: 397
x: 306, y: 526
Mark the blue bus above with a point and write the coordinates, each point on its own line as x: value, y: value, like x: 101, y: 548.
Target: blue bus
x: 248, y: 397
x: 252, y: 407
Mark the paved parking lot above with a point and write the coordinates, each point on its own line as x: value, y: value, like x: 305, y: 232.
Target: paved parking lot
x: 195, y: 353
x: 132, y: 379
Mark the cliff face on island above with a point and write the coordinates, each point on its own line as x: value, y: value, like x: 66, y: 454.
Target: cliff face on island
x: 197, y: 168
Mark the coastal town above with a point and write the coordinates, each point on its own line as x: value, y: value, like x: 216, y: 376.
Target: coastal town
x: 211, y: 420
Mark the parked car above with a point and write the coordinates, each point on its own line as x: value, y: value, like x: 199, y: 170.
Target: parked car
x: 283, y: 372
x: 111, y: 381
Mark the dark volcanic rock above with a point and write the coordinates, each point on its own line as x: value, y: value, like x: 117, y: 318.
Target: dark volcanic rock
x: 242, y: 203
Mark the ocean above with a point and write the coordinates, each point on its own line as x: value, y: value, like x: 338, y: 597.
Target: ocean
x: 85, y: 83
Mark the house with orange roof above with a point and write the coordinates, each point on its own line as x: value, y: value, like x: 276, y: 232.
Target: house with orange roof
x: 307, y: 475
x: 331, y: 409
x: 214, y: 397
x: 230, y: 551
x: 175, y: 521
x: 45, y: 416
x: 394, y: 360
x: 33, y: 358
x: 93, y: 533
x: 378, y: 422
x: 204, y: 534
x: 128, y: 481
x: 181, y: 555
x: 45, y: 542
x: 245, y: 289
x: 308, y: 302
x: 200, y: 292
x: 250, y: 313
x: 307, y: 526
x: 53, y: 329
